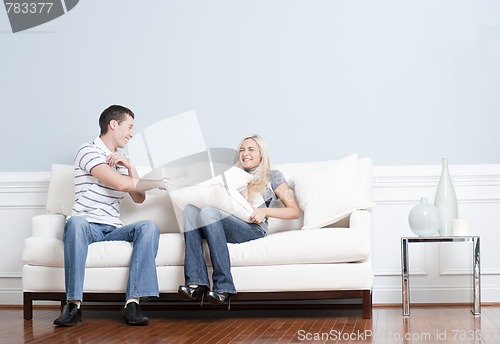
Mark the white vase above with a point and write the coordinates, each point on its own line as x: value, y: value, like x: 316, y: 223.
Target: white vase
x: 424, y: 219
x: 446, y: 200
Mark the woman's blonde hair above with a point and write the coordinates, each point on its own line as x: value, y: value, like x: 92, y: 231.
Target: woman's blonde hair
x: 261, y: 173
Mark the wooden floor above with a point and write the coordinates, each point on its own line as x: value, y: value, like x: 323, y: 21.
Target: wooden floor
x: 204, y: 325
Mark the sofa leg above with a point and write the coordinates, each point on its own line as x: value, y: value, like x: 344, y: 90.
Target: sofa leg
x: 367, y: 304
x: 27, y: 306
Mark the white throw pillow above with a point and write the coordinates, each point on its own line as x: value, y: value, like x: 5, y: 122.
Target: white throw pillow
x: 61, y: 194
x: 214, y: 193
x: 332, y: 192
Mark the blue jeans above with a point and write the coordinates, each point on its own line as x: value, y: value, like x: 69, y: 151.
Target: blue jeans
x: 79, y: 234
x: 218, y: 228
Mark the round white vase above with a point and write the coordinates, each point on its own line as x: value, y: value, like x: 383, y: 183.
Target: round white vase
x: 424, y: 219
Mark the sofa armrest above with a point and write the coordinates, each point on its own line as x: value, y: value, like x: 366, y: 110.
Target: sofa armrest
x: 361, y: 219
x: 48, y: 225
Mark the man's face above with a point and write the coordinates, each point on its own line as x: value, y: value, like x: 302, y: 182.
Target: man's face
x: 123, y: 130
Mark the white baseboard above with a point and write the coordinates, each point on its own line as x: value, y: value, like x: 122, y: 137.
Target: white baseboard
x: 11, y: 297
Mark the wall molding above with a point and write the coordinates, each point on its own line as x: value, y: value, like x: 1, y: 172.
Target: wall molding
x: 10, y: 274
x: 399, y: 184
x: 24, y: 180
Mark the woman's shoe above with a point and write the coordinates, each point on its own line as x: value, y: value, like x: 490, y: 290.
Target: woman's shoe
x: 189, y: 293
x: 219, y: 298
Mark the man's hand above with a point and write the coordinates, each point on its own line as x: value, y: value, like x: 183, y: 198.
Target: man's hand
x: 119, y: 158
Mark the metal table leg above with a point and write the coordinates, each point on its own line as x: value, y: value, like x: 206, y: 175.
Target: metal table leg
x: 476, y: 251
x: 405, y: 276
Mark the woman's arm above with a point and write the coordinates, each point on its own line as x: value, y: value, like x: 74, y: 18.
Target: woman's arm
x: 289, y: 212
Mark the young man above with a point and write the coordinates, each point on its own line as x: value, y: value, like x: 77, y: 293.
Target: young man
x: 103, y: 175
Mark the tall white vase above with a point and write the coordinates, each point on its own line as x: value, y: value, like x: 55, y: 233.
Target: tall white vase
x: 446, y: 200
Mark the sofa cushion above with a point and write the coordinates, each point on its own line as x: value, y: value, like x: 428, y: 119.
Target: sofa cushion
x: 290, y: 170
x: 332, y: 192
x: 61, y: 193
x: 102, y: 254
x: 324, y: 245
x: 157, y: 207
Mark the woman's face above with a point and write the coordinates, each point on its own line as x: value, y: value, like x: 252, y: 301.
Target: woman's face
x: 250, y: 156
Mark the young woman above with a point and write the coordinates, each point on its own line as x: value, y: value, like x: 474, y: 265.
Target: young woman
x: 219, y: 228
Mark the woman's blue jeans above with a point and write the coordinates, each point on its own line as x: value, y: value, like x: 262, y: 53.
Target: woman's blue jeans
x: 79, y: 234
x: 218, y: 228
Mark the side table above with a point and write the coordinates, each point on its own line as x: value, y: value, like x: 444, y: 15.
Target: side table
x: 476, y: 272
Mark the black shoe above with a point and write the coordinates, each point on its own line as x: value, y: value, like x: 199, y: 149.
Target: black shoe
x: 222, y: 298
x: 70, y: 315
x: 131, y: 315
x: 188, y: 293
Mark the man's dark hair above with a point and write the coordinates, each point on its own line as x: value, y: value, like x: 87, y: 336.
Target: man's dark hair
x: 114, y: 112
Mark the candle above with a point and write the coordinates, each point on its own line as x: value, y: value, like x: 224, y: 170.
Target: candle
x: 461, y: 227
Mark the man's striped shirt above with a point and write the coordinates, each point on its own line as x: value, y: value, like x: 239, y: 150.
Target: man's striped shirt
x: 94, y: 200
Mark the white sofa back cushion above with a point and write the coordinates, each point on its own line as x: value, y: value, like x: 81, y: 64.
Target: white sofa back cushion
x: 326, y: 191
x: 61, y: 194
x: 157, y: 207
x: 332, y: 192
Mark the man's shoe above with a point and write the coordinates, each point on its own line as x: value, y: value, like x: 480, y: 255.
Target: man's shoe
x: 131, y: 315
x: 70, y: 315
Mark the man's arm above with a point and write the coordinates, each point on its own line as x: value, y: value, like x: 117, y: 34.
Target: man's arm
x: 131, y: 183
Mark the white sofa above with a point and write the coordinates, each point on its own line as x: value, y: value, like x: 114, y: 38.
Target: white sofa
x: 298, y: 260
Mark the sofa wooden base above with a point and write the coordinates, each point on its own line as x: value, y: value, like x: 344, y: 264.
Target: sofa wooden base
x: 364, y: 295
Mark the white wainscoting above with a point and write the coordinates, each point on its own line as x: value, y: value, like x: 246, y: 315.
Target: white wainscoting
x: 22, y: 195
x: 438, y: 272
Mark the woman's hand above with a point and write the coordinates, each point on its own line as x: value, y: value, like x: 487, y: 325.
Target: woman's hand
x: 259, y: 215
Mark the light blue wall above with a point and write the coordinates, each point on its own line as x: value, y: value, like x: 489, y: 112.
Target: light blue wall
x: 402, y: 82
